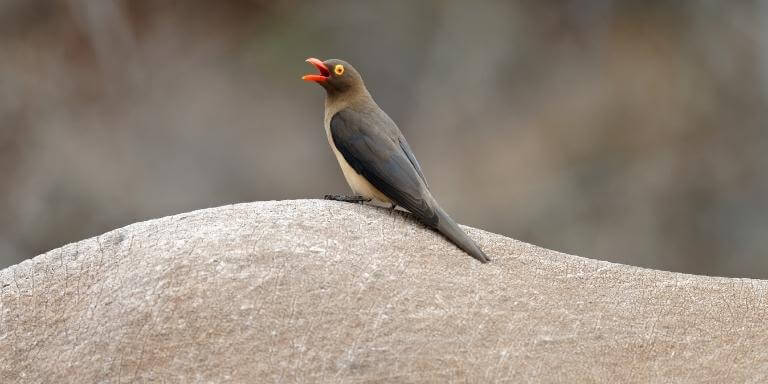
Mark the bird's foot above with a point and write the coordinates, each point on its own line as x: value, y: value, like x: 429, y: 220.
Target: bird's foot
x: 348, y: 199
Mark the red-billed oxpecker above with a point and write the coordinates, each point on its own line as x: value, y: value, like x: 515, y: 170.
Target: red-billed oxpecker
x: 373, y: 154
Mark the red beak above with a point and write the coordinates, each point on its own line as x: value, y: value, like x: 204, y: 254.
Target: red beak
x: 324, y: 72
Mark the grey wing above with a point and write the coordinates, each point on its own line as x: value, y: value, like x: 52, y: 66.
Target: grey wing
x: 381, y: 161
x: 407, y: 150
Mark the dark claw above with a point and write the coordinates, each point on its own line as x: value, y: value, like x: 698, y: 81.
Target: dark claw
x: 348, y: 199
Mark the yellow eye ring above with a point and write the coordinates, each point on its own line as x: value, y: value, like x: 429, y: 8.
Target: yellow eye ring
x: 338, y: 69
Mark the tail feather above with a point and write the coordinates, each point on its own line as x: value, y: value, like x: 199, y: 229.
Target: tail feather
x: 448, y: 228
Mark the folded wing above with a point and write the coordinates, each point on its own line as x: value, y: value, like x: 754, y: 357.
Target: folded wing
x: 383, y: 161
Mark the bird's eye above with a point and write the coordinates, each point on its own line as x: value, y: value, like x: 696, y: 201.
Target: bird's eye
x: 338, y: 69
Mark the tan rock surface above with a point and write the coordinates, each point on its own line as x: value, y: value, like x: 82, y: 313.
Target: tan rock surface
x: 317, y: 291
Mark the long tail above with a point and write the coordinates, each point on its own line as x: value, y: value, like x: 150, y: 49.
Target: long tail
x: 456, y: 235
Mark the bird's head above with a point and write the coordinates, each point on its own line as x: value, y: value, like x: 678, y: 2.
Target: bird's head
x: 336, y: 76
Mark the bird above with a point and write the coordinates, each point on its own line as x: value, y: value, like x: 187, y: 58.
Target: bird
x: 374, y: 156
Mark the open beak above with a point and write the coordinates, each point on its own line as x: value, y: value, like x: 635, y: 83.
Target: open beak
x: 324, y: 72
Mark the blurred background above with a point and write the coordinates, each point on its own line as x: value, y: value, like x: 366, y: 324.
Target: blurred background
x: 635, y: 132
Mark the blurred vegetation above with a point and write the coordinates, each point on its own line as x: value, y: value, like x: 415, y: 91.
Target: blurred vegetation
x: 626, y: 131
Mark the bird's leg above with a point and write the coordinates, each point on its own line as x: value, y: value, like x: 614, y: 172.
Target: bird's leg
x: 348, y: 199
x: 393, y: 206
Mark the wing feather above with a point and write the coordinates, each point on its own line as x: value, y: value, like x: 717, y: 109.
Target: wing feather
x: 407, y: 150
x: 383, y: 161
